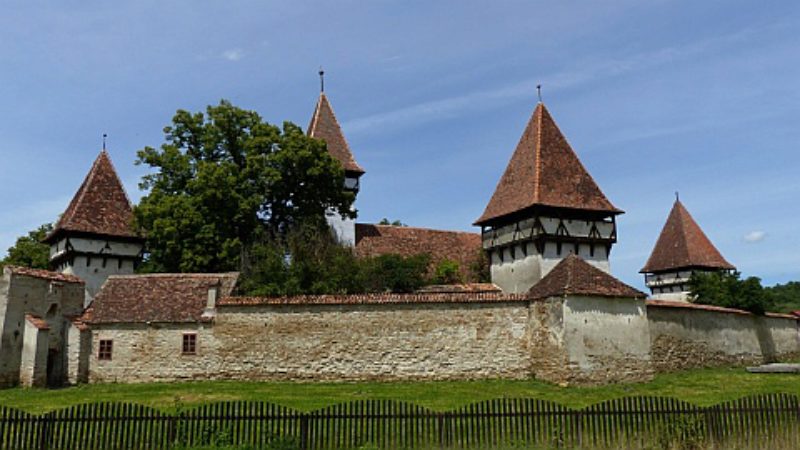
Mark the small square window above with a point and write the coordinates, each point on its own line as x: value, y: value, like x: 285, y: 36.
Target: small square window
x: 190, y: 343
x: 105, y: 350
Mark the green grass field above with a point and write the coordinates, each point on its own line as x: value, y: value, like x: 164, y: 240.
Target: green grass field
x: 702, y: 387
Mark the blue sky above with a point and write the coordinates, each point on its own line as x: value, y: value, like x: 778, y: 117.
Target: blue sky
x: 654, y: 96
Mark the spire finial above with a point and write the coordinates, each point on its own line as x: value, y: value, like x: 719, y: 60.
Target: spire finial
x: 104, y: 141
x: 321, y: 79
x: 539, y: 92
x: 677, y: 197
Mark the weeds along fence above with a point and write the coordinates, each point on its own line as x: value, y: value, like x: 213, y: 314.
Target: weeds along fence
x: 497, y: 423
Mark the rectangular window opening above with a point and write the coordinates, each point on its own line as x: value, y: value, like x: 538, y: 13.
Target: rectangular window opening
x: 189, y: 344
x: 105, y: 350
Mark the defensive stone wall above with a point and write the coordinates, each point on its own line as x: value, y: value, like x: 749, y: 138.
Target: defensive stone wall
x: 686, y: 336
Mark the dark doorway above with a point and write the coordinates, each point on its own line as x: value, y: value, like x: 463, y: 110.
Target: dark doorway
x: 54, y: 378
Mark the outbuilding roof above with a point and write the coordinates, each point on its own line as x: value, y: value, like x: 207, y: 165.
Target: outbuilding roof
x: 544, y: 171
x: 682, y: 244
x: 459, y: 246
x: 169, y: 297
x: 100, y: 206
x: 44, y: 274
x: 574, y: 276
x: 324, y: 126
x: 377, y: 298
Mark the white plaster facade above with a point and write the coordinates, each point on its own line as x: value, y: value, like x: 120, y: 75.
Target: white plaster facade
x: 94, y: 259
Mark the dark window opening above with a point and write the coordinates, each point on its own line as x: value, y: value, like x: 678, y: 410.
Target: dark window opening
x: 190, y: 343
x: 106, y: 348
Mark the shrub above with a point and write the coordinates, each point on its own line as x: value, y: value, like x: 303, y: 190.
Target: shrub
x: 730, y: 291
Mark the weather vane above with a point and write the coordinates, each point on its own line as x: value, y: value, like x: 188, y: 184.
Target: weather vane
x: 104, y: 141
x: 321, y: 79
x: 539, y: 92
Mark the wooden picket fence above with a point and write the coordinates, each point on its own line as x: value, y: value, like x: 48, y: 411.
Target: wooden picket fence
x: 499, y: 423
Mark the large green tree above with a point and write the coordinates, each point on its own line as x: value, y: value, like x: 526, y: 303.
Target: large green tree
x: 731, y: 291
x: 225, y: 179
x: 29, y: 251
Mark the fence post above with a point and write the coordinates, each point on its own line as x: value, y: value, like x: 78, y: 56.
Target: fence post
x: 440, y: 420
x: 44, y: 431
x: 304, y: 431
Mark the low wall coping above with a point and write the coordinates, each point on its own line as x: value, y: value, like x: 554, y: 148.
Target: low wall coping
x: 697, y: 306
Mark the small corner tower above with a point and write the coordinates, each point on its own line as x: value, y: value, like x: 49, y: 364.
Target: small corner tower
x: 94, y: 237
x: 545, y: 207
x: 324, y: 126
x: 681, y: 250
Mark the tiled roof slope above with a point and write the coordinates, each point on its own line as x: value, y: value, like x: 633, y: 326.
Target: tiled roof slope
x: 574, y: 276
x: 459, y: 246
x: 44, y: 274
x: 169, y: 297
x: 100, y: 206
x: 325, y: 126
x: 545, y: 171
x: 682, y: 244
x: 37, y: 322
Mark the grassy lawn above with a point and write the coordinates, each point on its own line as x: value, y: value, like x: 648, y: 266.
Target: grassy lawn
x: 702, y: 387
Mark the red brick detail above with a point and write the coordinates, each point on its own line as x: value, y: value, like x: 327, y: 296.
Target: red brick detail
x: 544, y: 171
x: 682, y: 244
x: 37, y: 322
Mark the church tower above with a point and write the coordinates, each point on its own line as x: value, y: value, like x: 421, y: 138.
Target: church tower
x: 325, y: 126
x: 93, y: 238
x: 681, y: 250
x: 545, y: 207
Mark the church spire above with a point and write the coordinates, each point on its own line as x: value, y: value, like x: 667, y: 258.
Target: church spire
x: 544, y: 171
x: 324, y: 126
x: 682, y: 244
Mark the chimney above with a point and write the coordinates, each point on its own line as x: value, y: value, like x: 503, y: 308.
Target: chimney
x: 211, y: 303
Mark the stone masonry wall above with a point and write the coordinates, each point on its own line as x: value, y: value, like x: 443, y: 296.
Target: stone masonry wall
x: 685, y: 338
x: 374, y: 341
x: 148, y: 353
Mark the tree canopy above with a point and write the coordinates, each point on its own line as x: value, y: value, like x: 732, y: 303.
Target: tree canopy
x: 29, y: 251
x: 225, y: 179
x: 730, y: 291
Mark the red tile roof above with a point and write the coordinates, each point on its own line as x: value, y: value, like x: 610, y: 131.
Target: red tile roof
x: 682, y: 244
x: 37, y: 322
x: 100, y: 206
x: 461, y: 247
x: 712, y: 308
x: 574, y: 276
x: 325, y: 126
x: 166, y: 297
x: 379, y: 298
x: 44, y: 274
x: 544, y: 171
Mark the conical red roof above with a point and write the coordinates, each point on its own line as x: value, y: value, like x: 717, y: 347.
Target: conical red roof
x: 100, y: 206
x: 574, y: 276
x: 325, y: 126
x: 682, y: 244
x: 544, y: 170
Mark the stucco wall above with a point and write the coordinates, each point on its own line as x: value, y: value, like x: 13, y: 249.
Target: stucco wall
x: 607, y: 340
x: 683, y: 338
x: 33, y: 359
x: 50, y: 300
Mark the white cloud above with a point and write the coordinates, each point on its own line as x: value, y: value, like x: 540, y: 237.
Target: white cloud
x: 234, y: 54
x: 755, y: 236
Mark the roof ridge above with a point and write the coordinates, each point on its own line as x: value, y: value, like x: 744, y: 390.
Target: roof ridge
x: 407, y: 227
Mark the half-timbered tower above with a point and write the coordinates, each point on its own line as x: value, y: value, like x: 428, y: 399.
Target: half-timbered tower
x: 94, y: 238
x: 545, y: 207
x: 681, y: 249
x: 325, y: 126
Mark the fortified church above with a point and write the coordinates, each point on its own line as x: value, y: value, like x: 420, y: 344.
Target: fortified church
x: 553, y: 310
